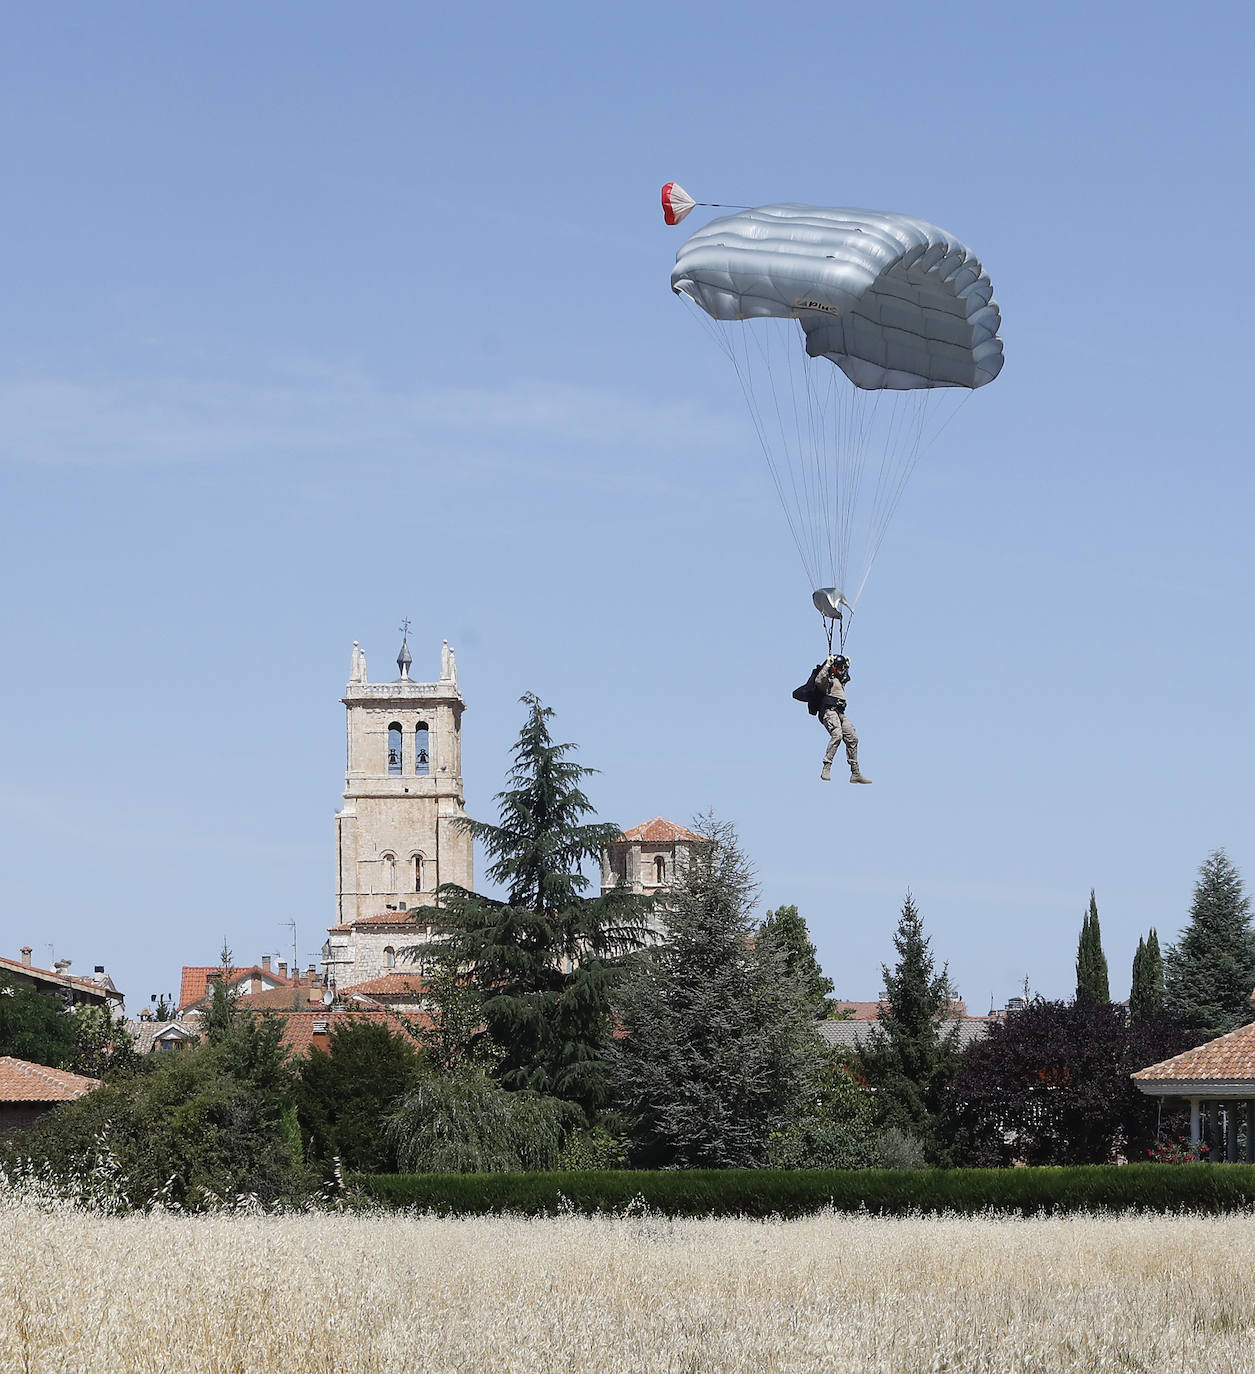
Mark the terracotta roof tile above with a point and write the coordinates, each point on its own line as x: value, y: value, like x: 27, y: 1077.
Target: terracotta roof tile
x: 194, y: 984
x: 21, y: 1081
x: 282, y: 999
x: 1228, y: 1059
x: 395, y: 918
x: 661, y: 831
x: 305, y: 1030
x: 389, y: 985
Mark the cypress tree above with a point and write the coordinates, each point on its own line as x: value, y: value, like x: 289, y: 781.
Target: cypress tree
x: 1091, y: 963
x: 543, y: 960
x: 1146, y: 996
x: 910, y: 1056
x: 1209, y: 972
x: 787, y: 928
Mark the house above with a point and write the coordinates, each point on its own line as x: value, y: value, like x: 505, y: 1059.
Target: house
x: 157, y: 1037
x: 29, y: 1090
x: 1218, y: 1081
x: 96, y: 991
x: 196, y: 985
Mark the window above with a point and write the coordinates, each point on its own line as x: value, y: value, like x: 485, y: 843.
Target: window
x: 422, y: 758
x: 418, y: 872
x: 660, y: 869
x: 389, y: 957
x: 394, y: 748
x: 389, y: 872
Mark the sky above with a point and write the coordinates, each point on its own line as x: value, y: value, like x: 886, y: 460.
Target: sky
x: 322, y: 316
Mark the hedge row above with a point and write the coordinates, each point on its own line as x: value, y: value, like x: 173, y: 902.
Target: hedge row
x: 765, y: 1192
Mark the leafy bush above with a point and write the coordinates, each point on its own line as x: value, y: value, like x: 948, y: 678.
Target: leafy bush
x: 463, y: 1124
x: 898, y: 1149
x: 830, y: 1126
x: 345, y: 1092
x: 768, y: 1192
x: 210, y: 1123
x: 596, y: 1148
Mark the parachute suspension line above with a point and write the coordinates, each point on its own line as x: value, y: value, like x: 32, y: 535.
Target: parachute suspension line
x: 762, y: 340
x: 723, y: 340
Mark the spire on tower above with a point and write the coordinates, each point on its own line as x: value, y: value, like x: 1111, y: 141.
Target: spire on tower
x: 403, y: 658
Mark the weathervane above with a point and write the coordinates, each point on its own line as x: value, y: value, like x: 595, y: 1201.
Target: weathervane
x: 405, y: 628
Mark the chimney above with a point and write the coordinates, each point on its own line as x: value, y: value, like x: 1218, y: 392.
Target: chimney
x: 310, y: 971
x: 26, y: 956
x: 265, y: 963
x: 283, y: 968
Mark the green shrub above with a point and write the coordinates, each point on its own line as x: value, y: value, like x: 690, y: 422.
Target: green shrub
x: 895, y: 1148
x: 460, y: 1123
x: 345, y: 1091
x: 789, y: 1193
x: 214, y: 1122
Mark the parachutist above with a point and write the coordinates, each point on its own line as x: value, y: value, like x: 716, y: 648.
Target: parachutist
x: 824, y: 695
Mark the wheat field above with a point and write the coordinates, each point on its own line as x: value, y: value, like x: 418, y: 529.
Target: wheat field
x: 355, y: 1293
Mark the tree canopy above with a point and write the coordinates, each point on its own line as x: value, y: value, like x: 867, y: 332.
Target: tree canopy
x: 1092, y: 984
x: 717, y: 1035
x: 910, y: 1055
x: 543, y: 960
x: 787, y: 928
x: 1210, y: 971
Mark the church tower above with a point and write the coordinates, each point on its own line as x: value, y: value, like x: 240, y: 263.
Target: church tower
x: 396, y: 840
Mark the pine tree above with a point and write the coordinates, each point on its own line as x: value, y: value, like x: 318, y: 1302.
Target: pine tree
x: 223, y: 1009
x: 1091, y: 963
x: 717, y: 1036
x: 545, y: 959
x: 1209, y: 972
x: 1146, y: 997
x: 788, y: 930
x: 910, y: 1056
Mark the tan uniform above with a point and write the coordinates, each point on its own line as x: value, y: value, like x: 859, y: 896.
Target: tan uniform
x: 833, y: 718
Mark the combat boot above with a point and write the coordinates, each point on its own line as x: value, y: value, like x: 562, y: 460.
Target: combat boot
x: 856, y: 776
x: 826, y: 774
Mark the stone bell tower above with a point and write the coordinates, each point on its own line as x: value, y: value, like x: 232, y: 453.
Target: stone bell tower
x: 396, y: 840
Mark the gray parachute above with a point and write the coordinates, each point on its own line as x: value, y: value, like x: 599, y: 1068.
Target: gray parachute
x: 895, y: 302
x: 904, y: 311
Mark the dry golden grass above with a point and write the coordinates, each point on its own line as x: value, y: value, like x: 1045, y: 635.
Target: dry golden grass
x: 830, y: 1293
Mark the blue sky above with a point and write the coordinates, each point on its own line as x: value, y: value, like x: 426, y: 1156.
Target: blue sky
x: 321, y: 316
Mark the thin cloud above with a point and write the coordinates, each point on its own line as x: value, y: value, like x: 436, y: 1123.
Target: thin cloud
x: 172, y: 421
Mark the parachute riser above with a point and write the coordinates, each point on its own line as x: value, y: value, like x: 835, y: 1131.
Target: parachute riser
x: 829, y: 602
x: 839, y: 627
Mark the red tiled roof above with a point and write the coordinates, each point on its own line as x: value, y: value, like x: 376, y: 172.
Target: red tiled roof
x: 1228, y: 1059
x: 862, y: 1011
x: 661, y: 831
x: 282, y: 999
x: 307, y: 1030
x: 394, y: 918
x: 389, y: 985
x: 194, y: 984
x: 21, y: 1081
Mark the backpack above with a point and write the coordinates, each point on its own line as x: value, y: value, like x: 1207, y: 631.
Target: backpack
x: 810, y: 692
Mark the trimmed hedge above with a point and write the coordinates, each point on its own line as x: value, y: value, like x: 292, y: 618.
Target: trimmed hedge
x: 792, y: 1193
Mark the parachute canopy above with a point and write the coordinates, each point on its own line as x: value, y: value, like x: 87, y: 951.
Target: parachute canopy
x: 897, y: 303
x: 904, y: 311
x: 676, y: 202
